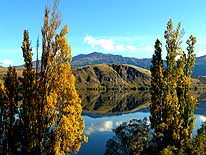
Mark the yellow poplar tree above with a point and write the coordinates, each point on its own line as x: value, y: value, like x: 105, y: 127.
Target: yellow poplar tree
x: 172, y: 108
x: 50, y: 117
x: 60, y: 120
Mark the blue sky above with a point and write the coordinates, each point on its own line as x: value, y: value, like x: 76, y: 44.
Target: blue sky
x: 125, y: 27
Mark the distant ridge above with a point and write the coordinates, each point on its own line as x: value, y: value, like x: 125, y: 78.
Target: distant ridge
x: 112, y: 76
x: 100, y: 58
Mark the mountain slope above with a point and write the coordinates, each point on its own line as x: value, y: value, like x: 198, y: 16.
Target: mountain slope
x: 99, y: 58
x: 111, y: 76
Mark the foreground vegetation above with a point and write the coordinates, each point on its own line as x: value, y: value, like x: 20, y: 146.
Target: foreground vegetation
x: 40, y: 112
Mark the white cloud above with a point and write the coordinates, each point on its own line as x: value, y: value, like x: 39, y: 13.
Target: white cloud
x: 6, y: 62
x: 202, y: 118
x: 90, y: 40
x: 111, y: 45
x: 106, y: 44
x: 131, y: 48
x: 120, y: 47
x: 148, y: 48
x: 99, y: 127
x: 200, y: 53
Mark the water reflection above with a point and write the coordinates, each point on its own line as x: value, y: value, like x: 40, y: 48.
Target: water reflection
x: 104, y: 111
x: 99, y: 127
x: 114, y: 102
x: 99, y: 130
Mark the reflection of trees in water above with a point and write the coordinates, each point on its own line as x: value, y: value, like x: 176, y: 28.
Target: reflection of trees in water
x: 130, y: 138
x: 113, y: 102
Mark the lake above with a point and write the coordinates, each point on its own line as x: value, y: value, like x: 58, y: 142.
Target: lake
x: 104, y: 111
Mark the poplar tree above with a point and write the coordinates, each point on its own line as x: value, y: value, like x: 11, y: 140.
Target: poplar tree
x: 9, y: 94
x: 172, y: 108
x: 49, y: 120
x: 60, y: 124
x: 2, y: 107
x: 187, y: 102
x: 3, y: 118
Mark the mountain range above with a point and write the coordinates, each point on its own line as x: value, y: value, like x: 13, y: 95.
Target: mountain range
x: 100, y: 71
x: 99, y: 58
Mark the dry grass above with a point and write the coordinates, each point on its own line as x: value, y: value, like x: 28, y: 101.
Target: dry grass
x: 3, y: 71
x: 145, y: 71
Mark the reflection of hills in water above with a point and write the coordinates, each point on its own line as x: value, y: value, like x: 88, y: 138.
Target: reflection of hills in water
x: 114, y: 102
x: 201, y: 109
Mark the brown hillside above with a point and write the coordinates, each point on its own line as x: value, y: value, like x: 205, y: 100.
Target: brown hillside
x: 111, y: 76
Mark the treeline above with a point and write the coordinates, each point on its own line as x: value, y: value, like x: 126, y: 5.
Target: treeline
x: 172, y: 120
x: 40, y: 112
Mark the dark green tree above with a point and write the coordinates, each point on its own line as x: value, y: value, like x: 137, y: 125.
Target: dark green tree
x: 157, y: 92
x: 28, y: 112
x: 3, y: 118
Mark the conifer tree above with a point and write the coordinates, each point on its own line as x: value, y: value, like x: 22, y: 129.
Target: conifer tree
x: 157, y: 91
x: 29, y: 110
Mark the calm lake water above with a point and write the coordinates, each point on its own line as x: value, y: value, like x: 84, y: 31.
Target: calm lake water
x: 105, y: 111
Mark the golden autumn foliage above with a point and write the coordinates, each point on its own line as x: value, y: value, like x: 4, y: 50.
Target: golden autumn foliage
x: 48, y: 119
x: 61, y: 104
x: 9, y: 107
x: 172, y: 108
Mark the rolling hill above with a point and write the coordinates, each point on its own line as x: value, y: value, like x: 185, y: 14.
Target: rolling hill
x: 112, y: 76
x: 97, y: 70
x: 99, y: 58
